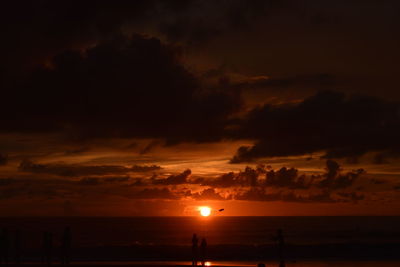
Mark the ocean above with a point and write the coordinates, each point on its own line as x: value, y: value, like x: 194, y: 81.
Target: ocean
x: 312, y: 240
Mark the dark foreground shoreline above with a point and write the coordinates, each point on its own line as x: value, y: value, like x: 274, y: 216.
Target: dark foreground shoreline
x: 105, y: 253
x: 245, y: 252
x: 309, y: 263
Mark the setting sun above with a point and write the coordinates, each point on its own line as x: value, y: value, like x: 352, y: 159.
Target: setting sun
x: 205, y: 211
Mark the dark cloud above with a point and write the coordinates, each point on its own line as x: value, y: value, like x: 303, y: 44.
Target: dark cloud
x: 138, y: 182
x: 149, y: 147
x: 331, y: 180
x: 288, y: 177
x: 48, y: 28
x: 353, y: 196
x: 261, y: 194
x: 176, y: 179
x: 89, y: 181
x: 124, y: 87
x: 81, y: 170
x: 248, y: 177
x: 260, y: 183
x: 93, y: 81
x: 328, y: 121
x: 207, y: 194
x: 77, y: 150
x: 86, y: 187
x: 253, y: 194
x: 253, y: 184
x: 332, y: 168
x: 117, y: 179
x: 144, y: 168
x: 225, y: 180
x: 335, y: 180
x: 324, y: 196
x: 265, y: 176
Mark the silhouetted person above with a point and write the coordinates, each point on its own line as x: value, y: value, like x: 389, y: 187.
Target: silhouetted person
x: 281, y: 243
x: 4, y: 247
x: 47, y: 248
x: 66, y: 247
x: 44, y: 244
x: 195, y: 249
x: 203, y: 247
x: 1, y: 248
x: 17, y: 247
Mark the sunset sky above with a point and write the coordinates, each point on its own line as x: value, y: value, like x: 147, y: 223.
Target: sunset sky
x: 142, y: 108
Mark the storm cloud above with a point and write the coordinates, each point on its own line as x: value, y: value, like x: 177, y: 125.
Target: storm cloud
x: 82, y: 170
x: 174, y: 179
x: 125, y: 87
x: 340, y: 125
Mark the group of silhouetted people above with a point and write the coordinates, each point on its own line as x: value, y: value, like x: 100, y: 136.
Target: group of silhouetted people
x: 196, y: 256
x: 198, y: 251
x: 5, y: 247
x: 65, y: 249
x: 47, y: 247
x: 280, y: 242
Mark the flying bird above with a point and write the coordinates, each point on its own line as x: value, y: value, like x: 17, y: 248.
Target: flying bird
x: 221, y: 209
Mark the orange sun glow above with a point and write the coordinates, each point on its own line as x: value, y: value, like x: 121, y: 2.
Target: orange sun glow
x: 205, y: 211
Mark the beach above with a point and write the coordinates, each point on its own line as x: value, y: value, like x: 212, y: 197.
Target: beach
x: 228, y: 264
x: 232, y: 241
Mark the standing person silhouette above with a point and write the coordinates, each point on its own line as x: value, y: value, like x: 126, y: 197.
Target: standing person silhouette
x: 4, y: 247
x: 203, y: 247
x: 44, y: 247
x: 47, y: 247
x: 195, y: 249
x: 281, y: 243
x: 17, y: 247
x: 1, y: 248
x: 66, y: 247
